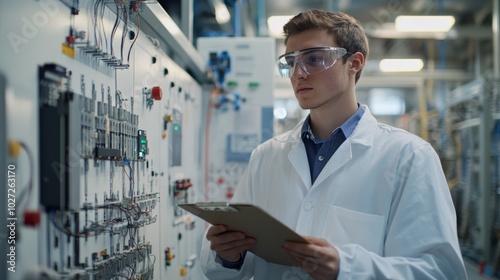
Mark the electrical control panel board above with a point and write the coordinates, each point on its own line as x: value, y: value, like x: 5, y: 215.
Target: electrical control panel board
x: 102, y: 134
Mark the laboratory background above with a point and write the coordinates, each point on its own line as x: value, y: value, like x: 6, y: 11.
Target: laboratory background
x: 114, y: 112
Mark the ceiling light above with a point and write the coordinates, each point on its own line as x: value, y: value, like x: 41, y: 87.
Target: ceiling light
x: 280, y: 113
x: 401, y: 65
x: 222, y: 14
x: 275, y: 25
x: 424, y: 23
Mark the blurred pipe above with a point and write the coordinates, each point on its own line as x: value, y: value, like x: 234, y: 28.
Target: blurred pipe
x: 236, y: 19
x: 442, y: 86
x: 261, y: 18
x: 485, y: 130
x: 424, y: 119
x: 496, y: 38
x: 485, y: 217
x: 485, y: 213
x: 187, y: 10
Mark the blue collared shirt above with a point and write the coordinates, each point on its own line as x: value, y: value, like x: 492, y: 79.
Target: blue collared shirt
x: 320, y: 151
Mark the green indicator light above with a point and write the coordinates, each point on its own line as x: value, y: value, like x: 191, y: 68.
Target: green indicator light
x: 232, y: 83
x: 176, y: 127
x: 253, y: 84
x: 143, y: 141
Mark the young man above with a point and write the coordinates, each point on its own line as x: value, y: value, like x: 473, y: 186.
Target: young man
x: 371, y: 200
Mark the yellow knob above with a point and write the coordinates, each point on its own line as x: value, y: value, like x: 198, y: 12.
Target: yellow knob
x: 183, y: 271
x: 14, y: 148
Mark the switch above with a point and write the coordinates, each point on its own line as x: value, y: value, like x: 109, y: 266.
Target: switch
x: 229, y: 193
x: 183, y: 271
x: 15, y: 148
x: 31, y: 218
x: 152, y: 94
x: 156, y: 93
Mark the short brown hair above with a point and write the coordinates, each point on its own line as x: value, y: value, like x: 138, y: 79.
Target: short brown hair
x: 347, y: 31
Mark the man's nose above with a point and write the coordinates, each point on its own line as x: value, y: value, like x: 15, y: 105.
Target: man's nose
x: 299, y: 71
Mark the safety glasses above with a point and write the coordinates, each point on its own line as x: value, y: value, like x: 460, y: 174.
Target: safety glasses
x: 311, y: 61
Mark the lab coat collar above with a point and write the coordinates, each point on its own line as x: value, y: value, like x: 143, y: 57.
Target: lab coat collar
x: 360, y: 140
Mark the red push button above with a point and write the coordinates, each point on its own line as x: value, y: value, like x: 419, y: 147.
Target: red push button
x: 156, y: 93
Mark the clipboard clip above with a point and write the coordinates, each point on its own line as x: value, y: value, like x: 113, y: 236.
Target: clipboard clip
x: 216, y: 207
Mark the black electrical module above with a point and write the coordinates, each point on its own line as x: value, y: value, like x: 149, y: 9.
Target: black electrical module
x: 142, y: 145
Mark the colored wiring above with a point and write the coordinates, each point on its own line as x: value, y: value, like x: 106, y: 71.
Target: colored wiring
x: 103, y: 9
x: 115, y: 27
x: 27, y: 191
x: 94, y: 20
x: 136, y: 36
x: 124, y: 32
x: 134, y: 216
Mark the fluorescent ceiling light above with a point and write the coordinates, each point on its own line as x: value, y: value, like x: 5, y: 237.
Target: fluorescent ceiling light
x: 401, y: 65
x: 424, y: 23
x: 280, y: 113
x: 275, y: 25
x: 222, y: 14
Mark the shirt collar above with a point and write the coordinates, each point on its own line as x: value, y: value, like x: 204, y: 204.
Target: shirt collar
x: 347, y: 127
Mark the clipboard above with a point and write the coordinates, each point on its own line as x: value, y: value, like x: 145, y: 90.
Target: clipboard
x: 269, y: 233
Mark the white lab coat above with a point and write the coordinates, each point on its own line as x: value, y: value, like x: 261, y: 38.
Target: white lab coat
x: 382, y: 200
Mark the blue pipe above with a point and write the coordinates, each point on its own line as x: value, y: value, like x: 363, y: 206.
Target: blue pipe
x: 465, y: 147
x: 261, y: 18
x: 236, y: 19
x: 496, y: 143
x: 442, y: 85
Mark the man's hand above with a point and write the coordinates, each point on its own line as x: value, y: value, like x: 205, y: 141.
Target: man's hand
x: 228, y: 244
x: 318, y: 258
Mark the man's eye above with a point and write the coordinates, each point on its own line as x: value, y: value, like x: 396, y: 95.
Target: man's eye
x: 315, y: 60
x: 290, y: 62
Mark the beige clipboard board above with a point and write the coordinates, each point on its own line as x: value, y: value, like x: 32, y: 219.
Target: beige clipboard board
x: 269, y: 233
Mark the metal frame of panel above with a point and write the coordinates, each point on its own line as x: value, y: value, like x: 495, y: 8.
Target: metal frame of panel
x: 3, y: 168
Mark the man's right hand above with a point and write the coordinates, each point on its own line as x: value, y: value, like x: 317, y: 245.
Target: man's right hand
x: 228, y: 244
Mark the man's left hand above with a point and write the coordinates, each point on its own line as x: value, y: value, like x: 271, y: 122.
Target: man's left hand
x: 318, y: 258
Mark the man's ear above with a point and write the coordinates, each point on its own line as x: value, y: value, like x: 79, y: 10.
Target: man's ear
x: 357, y: 62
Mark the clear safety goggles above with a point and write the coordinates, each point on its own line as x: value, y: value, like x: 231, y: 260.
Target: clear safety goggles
x: 311, y: 61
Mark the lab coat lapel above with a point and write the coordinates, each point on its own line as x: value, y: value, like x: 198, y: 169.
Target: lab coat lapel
x: 298, y: 159
x: 360, y: 140
x: 297, y: 154
x: 342, y: 156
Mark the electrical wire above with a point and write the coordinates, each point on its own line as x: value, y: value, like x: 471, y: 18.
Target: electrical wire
x: 103, y: 9
x: 132, y: 216
x: 89, y: 20
x: 124, y: 32
x: 73, y: 7
x: 94, y: 19
x: 136, y: 36
x: 115, y: 27
x: 29, y: 189
x: 207, y: 142
x: 131, y: 188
